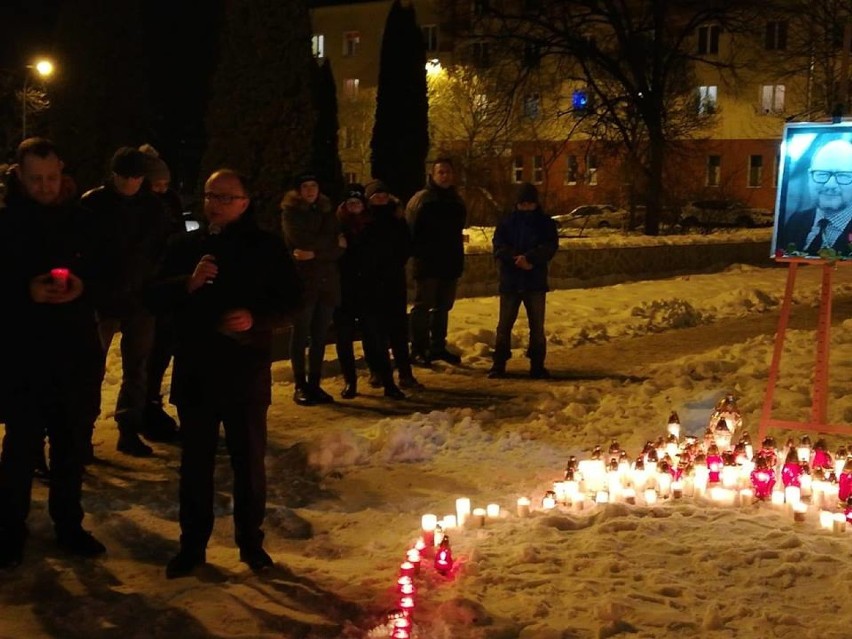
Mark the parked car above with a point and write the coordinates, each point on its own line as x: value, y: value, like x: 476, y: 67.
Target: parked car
x: 593, y: 216
x: 710, y: 213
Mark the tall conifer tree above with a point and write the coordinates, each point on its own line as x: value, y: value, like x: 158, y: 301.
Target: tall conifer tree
x: 401, y: 132
x: 326, y: 157
x: 260, y: 118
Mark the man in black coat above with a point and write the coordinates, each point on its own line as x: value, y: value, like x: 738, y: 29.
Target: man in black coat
x: 228, y: 285
x: 524, y: 243
x: 436, y: 217
x: 52, y: 347
x: 132, y: 229
x: 829, y: 223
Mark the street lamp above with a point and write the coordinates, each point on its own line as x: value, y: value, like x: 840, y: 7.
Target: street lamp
x: 44, y: 69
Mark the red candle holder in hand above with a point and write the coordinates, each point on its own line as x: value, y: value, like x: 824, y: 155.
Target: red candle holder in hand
x: 60, y: 276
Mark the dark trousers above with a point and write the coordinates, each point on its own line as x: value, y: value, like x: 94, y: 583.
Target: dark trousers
x: 137, y: 338
x: 534, y: 304
x: 161, y: 353
x: 310, y: 331
x: 373, y: 339
x: 67, y: 428
x: 245, y: 436
x: 433, y: 300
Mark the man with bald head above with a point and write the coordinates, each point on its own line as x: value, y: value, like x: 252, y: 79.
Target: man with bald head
x: 829, y: 223
x: 228, y: 286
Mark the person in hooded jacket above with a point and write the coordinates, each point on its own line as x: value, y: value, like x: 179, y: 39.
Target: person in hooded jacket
x: 51, y: 345
x: 524, y: 243
x: 228, y: 286
x: 312, y: 234
x: 363, y: 269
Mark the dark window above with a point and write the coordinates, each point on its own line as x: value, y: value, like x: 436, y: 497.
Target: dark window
x: 776, y: 35
x: 708, y: 40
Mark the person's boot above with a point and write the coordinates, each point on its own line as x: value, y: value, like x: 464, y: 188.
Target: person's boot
x: 302, y: 396
x: 256, y: 558
x: 79, y: 542
x: 183, y: 563
x: 129, y: 442
x: 497, y: 370
x: 319, y: 395
x: 392, y: 391
x: 350, y: 389
x: 409, y: 382
x: 158, y: 425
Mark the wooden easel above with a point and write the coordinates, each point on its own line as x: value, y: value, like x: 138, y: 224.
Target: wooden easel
x: 819, y: 393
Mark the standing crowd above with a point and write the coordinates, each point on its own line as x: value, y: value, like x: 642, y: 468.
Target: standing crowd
x: 121, y: 259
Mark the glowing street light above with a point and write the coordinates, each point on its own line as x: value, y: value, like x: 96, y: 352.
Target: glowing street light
x: 44, y: 68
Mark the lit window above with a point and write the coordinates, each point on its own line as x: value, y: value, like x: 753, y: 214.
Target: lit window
x: 772, y: 98
x: 351, y: 40
x: 318, y: 46
x: 755, y: 171
x: 572, y: 169
x: 518, y: 169
x: 708, y: 40
x: 776, y: 35
x: 350, y: 87
x: 538, y: 169
x: 591, y: 170
x: 707, y: 97
x: 714, y: 170
x: 532, y: 106
x: 430, y: 37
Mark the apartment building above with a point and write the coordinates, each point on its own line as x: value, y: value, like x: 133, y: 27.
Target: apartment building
x: 735, y: 157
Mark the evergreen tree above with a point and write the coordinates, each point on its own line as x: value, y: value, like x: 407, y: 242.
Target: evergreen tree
x: 99, y: 94
x: 326, y: 158
x: 260, y: 119
x: 401, y: 131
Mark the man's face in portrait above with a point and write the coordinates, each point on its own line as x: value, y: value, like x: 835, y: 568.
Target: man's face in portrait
x: 831, y: 176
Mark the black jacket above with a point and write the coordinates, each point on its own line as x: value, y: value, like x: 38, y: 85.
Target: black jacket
x: 529, y: 233
x: 372, y: 269
x: 436, y: 218
x: 255, y: 273
x: 131, y: 233
x: 47, y: 350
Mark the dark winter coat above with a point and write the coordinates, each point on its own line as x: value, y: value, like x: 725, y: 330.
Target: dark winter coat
x: 47, y: 348
x: 132, y: 233
x: 436, y: 218
x: 314, y: 228
x: 372, y: 268
x: 255, y: 273
x: 529, y: 233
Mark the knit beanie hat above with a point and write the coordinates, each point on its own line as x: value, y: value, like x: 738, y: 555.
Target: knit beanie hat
x: 128, y: 162
x: 376, y: 186
x: 527, y: 193
x: 304, y: 176
x: 156, y: 169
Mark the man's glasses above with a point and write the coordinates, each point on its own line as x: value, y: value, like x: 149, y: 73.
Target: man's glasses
x: 843, y: 178
x: 224, y: 198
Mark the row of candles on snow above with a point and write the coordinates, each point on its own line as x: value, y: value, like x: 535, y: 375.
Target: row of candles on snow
x: 432, y: 545
x: 714, y: 467
x: 673, y: 467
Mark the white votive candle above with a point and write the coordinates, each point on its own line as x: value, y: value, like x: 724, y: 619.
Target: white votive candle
x: 477, y: 518
x: 492, y: 511
x: 523, y: 507
x: 839, y: 523
x: 462, y: 510
x: 677, y: 489
x: 826, y: 519
x: 650, y: 496
x: 800, y: 509
x: 602, y: 497
x: 428, y: 522
x: 777, y: 498
x: 449, y: 522
x: 629, y: 496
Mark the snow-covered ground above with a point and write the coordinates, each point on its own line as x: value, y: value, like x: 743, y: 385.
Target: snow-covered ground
x: 623, y: 357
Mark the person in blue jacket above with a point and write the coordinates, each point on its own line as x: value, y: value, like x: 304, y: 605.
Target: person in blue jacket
x: 524, y: 243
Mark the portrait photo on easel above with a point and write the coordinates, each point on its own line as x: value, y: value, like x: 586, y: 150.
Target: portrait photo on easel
x: 813, y: 212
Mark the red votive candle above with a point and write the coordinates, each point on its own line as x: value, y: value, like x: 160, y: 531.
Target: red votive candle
x: 406, y: 602
x: 413, y: 557
x: 406, y: 569
x: 60, y: 276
